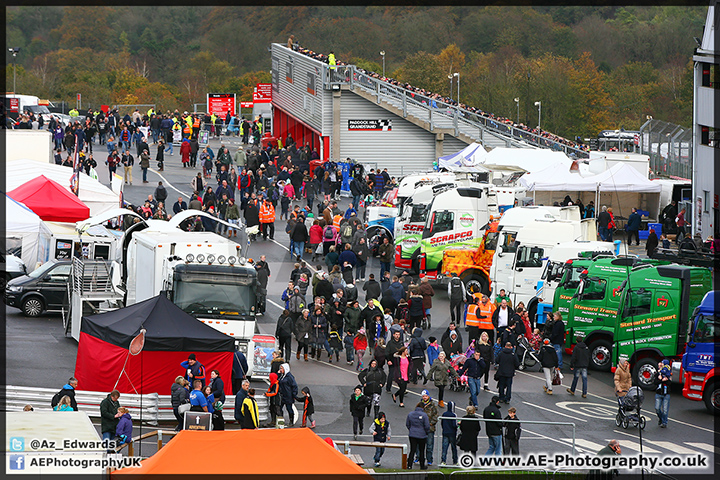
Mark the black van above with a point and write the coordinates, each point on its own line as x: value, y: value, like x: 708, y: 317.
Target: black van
x: 45, y: 288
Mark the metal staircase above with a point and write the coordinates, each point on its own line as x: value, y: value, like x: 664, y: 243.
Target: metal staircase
x: 437, y: 116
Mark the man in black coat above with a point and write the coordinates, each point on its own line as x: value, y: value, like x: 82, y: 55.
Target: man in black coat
x: 493, y: 429
x: 372, y: 288
x: 284, y: 332
x: 507, y: 363
x: 179, y: 206
x: 579, y: 363
x: 299, y: 236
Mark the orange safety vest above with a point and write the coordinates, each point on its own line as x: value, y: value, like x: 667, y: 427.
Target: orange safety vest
x: 487, y: 311
x: 471, y: 319
x: 336, y: 221
x: 267, y: 213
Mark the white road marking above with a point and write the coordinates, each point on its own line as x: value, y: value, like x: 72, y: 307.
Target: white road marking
x: 594, y: 410
x: 671, y: 446
x: 636, y: 444
x: 555, y: 412
x: 584, y: 445
x: 701, y: 446
x: 167, y: 183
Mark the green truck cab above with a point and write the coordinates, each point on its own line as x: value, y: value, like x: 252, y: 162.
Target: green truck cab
x: 588, y: 298
x: 654, y: 316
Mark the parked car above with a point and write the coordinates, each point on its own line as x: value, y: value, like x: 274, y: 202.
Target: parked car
x: 43, y: 289
x: 12, y: 266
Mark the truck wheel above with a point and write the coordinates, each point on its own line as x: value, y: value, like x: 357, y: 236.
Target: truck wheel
x: 32, y: 306
x: 600, y: 358
x: 711, y: 397
x: 645, y: 373
x: 476, y: 283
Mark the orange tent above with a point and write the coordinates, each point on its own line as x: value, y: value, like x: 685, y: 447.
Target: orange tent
x: 247, y: 452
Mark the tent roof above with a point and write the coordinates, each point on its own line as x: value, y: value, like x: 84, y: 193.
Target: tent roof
x: 19, y: 218
x: 556, y: 177
x: 168, y: 328
x: 94, y: 194
x: 528, y: 159
x: 297, y: 451
x: 50, y: 201
x: 622, y: 177
x: 469, y: 158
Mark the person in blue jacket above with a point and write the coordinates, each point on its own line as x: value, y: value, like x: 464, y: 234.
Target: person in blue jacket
x: 449, y: 435
x: 633, y: 227
x: 288, y: 390
x: 418, y: 425
x: 124, y: 427
x: 194, y: 370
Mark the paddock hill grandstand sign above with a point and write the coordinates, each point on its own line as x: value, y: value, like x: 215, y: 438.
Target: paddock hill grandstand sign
x: 374, y: 125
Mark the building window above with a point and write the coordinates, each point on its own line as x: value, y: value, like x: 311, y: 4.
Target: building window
x: 706, y: 201
x: 708, y: 136
x: 710, y: 75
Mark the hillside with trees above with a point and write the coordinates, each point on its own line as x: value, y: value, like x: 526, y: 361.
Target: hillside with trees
x: 593, y: 68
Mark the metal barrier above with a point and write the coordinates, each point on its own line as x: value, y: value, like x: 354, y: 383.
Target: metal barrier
x: 155, y: 408
x: 159, y: 433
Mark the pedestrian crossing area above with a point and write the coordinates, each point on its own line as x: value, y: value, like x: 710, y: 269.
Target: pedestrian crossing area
x: 631, y: 446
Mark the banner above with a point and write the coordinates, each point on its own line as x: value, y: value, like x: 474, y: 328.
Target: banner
x: 262, y: 93
x: 373, y: 125
x: 220, y: 103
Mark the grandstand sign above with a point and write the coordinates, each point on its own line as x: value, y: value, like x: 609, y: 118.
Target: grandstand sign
x: 370, y: 125
x: 220, y: 103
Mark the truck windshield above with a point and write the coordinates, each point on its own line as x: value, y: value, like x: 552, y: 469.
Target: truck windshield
x: 707, y: 330
x: 491, y: 241
x: 418, y: 213
x: 198, y: 298
x: 571, y: 277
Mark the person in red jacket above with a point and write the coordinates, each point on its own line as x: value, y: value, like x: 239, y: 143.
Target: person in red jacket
x: 360, y: 344
x: 185, y: 152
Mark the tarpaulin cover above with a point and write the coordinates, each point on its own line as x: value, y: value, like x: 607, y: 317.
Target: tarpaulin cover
x: 171, y: 335
x: 287, y: 452
x: 167, y: 327
x: 50, y: 201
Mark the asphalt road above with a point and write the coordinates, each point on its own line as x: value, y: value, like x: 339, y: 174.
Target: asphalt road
x: 39, y: 355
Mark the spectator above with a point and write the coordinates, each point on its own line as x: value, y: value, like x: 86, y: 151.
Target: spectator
x: 288, y: 390
x: 507, y: 363
x: 68, y: 390
x: 194, y: 370
x: 239, y: 369
x: 549, y: 362
x: 469, y: 430
x: 418, y: 425
x: 633, y: 227
x: 473, y: 368
x: 198, y: 402
x: 386, y: 253
x: 380, y: 430
x: 239, y: 399
x: 373, y: 380
x: 179, y: 395
x: 358, y: 405
x: 449, y: 435
x: 109, y: 415
x: 579, y: 363
x: 428, y: 406
x: 511, y: 437
x: 124, y: 427
x: 662, y: 393
x: 251, y: 417
x: 651, y: 243
x: 456, y: 294
x: 493, y: 429
x: 557, y: 337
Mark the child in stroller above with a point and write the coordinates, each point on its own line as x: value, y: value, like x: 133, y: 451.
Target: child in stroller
x: 628, y: 408
x: 458, y: 383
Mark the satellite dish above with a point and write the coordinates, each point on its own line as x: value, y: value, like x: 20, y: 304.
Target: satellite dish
x: 137, y: 343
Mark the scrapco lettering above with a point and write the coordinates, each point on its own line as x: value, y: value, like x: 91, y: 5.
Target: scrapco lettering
x: 450, y: 238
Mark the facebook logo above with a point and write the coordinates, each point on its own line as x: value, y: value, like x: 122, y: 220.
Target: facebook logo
x: 17, y: 444
x: 17, y: 462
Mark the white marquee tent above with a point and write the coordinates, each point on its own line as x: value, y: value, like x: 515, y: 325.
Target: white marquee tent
x: 469, y: 156
x: 25, y: 231
x: 94, y: 194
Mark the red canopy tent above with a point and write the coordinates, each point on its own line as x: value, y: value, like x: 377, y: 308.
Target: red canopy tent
x: 50, y: 201
x: 171, y: 334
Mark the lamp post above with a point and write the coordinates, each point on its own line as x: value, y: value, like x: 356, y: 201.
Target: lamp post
x: 14, y: 51
x: 517, y: 103
x: 382, y: 53
x: 450, y: 77
x: 457, y: 74
x: 539, y: 105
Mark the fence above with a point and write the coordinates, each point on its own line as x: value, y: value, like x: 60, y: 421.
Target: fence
x: 669, y: 147
x: 442, y: 114
x: 150, y: 408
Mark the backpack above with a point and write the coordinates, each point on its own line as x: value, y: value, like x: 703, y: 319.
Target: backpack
x: 456, y: 289
x: 290, y: 226
x: 328, y: 233
x: 55, y: 399
x: 347, y: 231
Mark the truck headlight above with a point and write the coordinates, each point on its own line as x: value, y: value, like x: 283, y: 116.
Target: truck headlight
x: 189, y: 257
x: 232, y: 260
x: 200, y: 258
x: 221, y: 259
x: 211, y: 258
x: 241, y: 260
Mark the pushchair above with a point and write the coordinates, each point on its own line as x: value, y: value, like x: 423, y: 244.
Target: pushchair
x: 458, y: 383
x: 628, y: 407
x: 527, y: 356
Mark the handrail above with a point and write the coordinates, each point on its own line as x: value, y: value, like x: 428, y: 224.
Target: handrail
x: 356, y: 443
x: 158, y: 433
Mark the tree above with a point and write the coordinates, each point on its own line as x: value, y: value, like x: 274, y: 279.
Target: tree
x: 422, y: 70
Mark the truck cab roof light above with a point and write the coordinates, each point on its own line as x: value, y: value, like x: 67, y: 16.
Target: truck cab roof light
x: 189, y: 258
